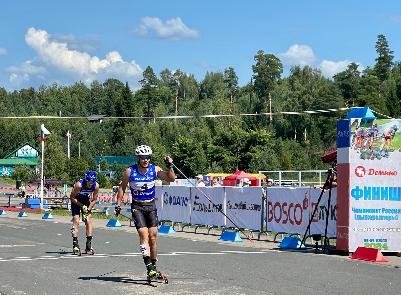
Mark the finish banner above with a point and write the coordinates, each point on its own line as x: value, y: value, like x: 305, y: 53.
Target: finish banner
x: 370, y: 184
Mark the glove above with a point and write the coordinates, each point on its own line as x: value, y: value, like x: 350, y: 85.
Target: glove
x: 85, y: 212
x: 169, y: 162
x: 117, y: 210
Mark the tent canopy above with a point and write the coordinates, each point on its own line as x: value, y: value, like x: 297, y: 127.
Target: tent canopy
x: 364, y: 113
x: 240, y: 174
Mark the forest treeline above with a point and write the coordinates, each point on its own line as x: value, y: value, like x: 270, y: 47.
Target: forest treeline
x: 200, y: 145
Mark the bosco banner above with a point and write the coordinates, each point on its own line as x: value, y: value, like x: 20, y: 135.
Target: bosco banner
x: 287, y: 210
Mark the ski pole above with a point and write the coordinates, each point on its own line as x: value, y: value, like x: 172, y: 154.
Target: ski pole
x: 219, y: 210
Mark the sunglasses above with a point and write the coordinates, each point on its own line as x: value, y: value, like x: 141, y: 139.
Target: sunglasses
x: 144, y: 157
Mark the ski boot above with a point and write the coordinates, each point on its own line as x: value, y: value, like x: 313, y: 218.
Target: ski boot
x: 76, y: 250
x: 89, y: 249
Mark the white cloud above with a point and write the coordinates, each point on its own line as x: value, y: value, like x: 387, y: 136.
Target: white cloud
x: 87, y: 44
x: 55, y: 61
x: 303, y: 55
x: 23, y: 72
x: 330, y: 68
x: 173, y: 29
x: 298, y: 55
x: 3, y: 51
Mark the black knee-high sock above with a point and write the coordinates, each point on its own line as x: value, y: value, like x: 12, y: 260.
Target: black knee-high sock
x: 88, y: 242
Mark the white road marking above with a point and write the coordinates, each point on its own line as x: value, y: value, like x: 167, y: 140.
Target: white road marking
x: 12, y: 246
x: 71, y: 256
x: 22, y: 257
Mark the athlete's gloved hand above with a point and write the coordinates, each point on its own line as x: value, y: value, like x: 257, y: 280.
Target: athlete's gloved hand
x: 168, y: 161
x: 117, y: 210
x: 85, y: 210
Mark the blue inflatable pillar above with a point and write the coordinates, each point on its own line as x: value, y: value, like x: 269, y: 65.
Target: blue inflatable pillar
x: 230, y: 236
x: 47, y: 216
x: 113, y: 223
x: 290, y: 243
x: 22, y: 214
x: 166, y: 229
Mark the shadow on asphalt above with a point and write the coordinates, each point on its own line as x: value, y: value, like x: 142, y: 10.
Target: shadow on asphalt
x: 62, y: 252
x: 124, y: 280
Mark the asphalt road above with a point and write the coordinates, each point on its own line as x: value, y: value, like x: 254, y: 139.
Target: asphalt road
x: 35, y: 258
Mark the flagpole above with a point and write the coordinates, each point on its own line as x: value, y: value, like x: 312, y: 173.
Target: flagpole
x: 41, y: 175
x: 68, y: 144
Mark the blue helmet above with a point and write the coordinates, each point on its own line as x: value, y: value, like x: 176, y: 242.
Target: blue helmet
x: 90, y: 176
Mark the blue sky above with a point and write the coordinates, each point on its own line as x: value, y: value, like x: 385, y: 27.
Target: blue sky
x: 42, y: 42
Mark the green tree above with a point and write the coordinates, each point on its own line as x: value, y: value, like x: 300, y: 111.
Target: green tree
x: 384, y: 60
x: 349, y: 83
x: 231, y: 82
x: 55, y: 161
x: 76, y: 169
x: 22, y: 172
x: 148, y: 92
x: 266, y: 73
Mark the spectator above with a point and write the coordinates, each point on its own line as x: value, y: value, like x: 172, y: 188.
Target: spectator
x: 246, y: 182
x: 215, y: 181
x: 199, y: 180
x: 269, y: 182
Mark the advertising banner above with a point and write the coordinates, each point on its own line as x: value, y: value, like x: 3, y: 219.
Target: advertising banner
x: 323, y: 212
x: 204, y: 212
x: 175, y: 203
x: 289, y: 211
x: 375, y: 185
x: 244, y: 207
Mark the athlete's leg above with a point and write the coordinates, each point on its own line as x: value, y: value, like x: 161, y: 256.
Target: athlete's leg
x: 89, y: 236
x: 75, y: 210
x: 153, y: 242
x: 89, y: 225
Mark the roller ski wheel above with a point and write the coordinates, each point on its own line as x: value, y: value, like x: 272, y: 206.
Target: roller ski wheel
x: 76, y: 251
x: 90, y: 251
x: 162, y: 276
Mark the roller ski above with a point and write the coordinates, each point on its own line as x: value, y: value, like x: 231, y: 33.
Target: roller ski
x: 76, y: 250
x: 154, y: 274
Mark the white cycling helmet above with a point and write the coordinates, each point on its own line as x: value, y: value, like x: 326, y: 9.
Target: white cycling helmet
x: 143, y: 150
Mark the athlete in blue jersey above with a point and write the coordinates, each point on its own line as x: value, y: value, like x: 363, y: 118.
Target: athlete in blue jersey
x: 83, y: 198
x: 141, y: 179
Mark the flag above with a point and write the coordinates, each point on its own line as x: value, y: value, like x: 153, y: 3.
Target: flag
x: 43, y: 132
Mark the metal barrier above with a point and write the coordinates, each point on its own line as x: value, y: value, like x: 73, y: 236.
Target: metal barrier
x: 288, y: 178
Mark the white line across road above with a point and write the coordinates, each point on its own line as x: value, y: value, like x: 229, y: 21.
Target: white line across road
x: 72, y: 256
x: 12, y: 246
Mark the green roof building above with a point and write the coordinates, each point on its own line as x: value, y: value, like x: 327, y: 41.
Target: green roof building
x: 24, y: 155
